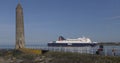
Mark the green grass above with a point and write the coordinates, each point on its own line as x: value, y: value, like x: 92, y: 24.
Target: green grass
x: 61, y: 57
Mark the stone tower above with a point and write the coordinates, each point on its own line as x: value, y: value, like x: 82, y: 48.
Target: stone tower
x: 20, y: 39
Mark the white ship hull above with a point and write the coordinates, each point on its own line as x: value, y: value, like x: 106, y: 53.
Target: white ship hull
x: 79, y: 42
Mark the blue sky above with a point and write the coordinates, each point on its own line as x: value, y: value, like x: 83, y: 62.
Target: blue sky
x: 45, y: 20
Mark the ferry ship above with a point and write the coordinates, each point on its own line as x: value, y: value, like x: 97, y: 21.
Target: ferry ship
x: 79, y: 42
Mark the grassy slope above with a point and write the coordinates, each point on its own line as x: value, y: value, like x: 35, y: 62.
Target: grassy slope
x: 60, y: 57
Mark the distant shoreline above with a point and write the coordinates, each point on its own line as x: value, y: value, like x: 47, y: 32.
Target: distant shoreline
x: 109, y: 43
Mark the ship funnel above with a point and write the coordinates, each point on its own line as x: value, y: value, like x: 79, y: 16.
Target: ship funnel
x: 61, y: 38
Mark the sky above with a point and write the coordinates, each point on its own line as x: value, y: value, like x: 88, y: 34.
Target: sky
x: 46, y: 20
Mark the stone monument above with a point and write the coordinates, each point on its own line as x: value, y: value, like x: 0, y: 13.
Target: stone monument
x: 20, y: 39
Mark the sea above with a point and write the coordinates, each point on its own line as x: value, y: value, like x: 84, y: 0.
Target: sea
x: 107, y: 49
x: 28, y: 46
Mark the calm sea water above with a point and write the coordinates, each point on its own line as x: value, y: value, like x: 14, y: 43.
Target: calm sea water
x: 13, y: 46
x: 38, y: 46
x: 107, y: 49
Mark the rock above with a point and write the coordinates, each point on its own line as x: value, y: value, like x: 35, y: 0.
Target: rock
x: 38, y: 59
x: 1, y: 60
x: 19, y: 61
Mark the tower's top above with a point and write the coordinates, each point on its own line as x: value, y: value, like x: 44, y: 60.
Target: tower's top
x: 19, y: 5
